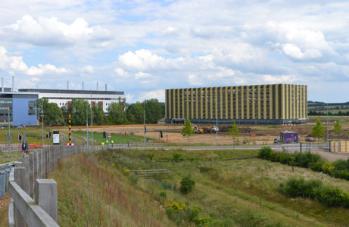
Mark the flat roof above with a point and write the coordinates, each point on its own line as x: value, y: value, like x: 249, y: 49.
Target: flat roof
x: 66, y: 91
x: 246, y: 85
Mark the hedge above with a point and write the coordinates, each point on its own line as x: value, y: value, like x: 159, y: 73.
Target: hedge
x: 315, y: 190
x: 338, y: 169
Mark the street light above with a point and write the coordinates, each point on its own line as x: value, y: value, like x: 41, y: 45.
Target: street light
x: 145, y: 129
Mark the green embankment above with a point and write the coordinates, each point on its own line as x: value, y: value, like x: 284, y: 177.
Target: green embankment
x: 232, y: 188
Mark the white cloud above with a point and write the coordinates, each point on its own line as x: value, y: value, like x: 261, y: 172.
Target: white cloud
x: 300, y: 42
x: 279, y: 79
x: 16, y: 63
x: 140, y: 59
x: 52, y: 31
x: 88, y: 69
x: 154, y: 94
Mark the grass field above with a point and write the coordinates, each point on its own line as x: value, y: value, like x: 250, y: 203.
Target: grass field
x: 232, y: 188
x: 114, y: 137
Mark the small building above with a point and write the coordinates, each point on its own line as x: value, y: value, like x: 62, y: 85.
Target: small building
x: 339, y: 146
x: 289, y: 137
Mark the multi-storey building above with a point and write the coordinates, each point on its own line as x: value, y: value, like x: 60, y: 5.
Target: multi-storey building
x: 255, y: 104
x: 62, y: 97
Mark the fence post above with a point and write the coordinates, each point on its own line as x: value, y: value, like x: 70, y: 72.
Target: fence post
x: 46, y: 196
x: 19, y: 177
x: 2, y: 182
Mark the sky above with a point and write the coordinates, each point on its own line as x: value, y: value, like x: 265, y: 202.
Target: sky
x: 143, y: 47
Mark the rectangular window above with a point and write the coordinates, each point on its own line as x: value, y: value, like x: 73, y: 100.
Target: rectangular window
x: 32, y: 108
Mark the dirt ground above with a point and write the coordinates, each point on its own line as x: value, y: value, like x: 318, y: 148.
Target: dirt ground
x: 249, y: 134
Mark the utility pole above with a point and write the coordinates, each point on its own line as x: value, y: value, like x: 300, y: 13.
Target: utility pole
x: 87, y: 139
x: 9, y: 125
x: 92, y: 136
x: 145, y: 129
x: 42, y: 124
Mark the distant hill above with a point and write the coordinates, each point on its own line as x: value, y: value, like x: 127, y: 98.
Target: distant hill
x: 322, y: 108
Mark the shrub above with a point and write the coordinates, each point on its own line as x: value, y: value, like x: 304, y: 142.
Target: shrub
x: 181, y: 213
x: 314, y: 189
x: 317, y: 166
x: 177, y: 157
x: 327, y: 168
x: 187, y: 185
x: 265, y: 153
x: 298, y: 187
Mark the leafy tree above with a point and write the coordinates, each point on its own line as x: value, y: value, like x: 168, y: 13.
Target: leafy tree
x: 234, y: 130
x: 98, y: 115
x: 117, y: 114
x: 53, y: 115
x: 318, y: 130
x: 80, y: 110
x: 337, y: 128
x: 154, y: 111
x: 187, y: 130
x: 187, y: 185
x: 135, y: 113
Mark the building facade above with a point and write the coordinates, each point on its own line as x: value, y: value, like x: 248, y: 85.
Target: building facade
x: 255, y: 104
x: 18, y: 108
x: 62, y: 97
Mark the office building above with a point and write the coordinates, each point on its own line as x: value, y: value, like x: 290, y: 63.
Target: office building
x: 254, y: 104
x: 62, y: 97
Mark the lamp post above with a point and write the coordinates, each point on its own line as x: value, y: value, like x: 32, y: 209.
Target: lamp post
x: 145, y: 129
x: 87, y: 138
x: 42, y: 124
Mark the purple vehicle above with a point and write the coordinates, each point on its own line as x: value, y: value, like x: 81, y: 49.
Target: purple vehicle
x: 289, y: 137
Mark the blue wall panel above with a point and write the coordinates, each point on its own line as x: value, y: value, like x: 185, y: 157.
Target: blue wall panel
x: 20, y: 107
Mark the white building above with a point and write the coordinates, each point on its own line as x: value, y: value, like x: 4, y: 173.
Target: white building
x: 63, y: 97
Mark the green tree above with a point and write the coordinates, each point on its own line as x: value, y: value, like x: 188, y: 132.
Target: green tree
x: 187, y: 130
x: 98, y: 115
x: 53, y: 115
x: 234, y: 130
x: 80, y: 110
x: 318, y: 130
x: 135, y: 113
x: 117, y: 114
x: 337, y: 128
x: 154, y: 111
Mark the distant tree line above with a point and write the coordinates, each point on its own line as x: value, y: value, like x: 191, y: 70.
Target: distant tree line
x: 322, y: 113
x: 118, y: 113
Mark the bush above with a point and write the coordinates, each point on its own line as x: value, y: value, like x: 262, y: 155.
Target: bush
x: 339, y: 169
x: 314, y: 189
x: 298, y: 187
x: 177, y: 157
x: 181, y: 213
x: 187, y: 185
x: 265, y: 153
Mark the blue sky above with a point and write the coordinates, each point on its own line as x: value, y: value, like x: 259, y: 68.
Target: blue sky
x: 144, y: 47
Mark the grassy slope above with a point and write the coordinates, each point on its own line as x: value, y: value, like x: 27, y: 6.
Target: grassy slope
x: 229, y: 190
x: 95, y: 195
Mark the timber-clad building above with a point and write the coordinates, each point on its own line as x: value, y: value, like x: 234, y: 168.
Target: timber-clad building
x: 254, y: 104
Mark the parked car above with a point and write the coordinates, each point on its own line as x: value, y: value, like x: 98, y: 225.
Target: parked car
x: 309, y: 139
